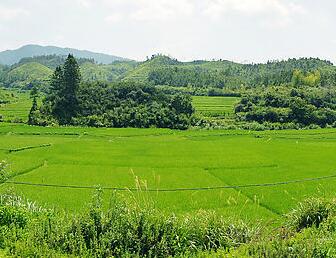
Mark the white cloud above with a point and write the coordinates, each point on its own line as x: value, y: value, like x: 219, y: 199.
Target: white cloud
x: 149, y: 10
x: 279, y: 12
x: 114, y: 18
x: 85, y: 3
x: 7, y: 14
x: 271, y: 12
x: 252, y: 7
x: 162, y: 10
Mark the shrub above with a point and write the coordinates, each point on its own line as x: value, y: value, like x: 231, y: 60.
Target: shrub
x: 309, y: 213
x: 10, y: 215
x: 3, y: 171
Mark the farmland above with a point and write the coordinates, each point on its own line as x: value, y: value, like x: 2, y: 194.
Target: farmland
x: 225, y: 187
x: 165, y: 159
x: 215, y: 106
x: 18, y: 108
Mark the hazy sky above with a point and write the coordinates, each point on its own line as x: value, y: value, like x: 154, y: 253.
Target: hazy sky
x: 240, y: 30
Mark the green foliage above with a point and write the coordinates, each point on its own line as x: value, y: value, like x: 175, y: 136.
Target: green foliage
x: 131, y: 105
x: 102, y: 105
x: 311, y: 212
x: 32, y: 117
x: 201, y: 77
x: 50, y: 61
x: 62, y: 98
x: 3, y: 171
x: 125, y: 229
x: 106, y: 73
x: 15, y: 216
x: 312, y: 106
x: 27, y: 75
x: 233, y: 76
x: 316, y: 238
x: 310, y: 79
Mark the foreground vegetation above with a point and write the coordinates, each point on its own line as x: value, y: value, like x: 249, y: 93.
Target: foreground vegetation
x: 130, y: 229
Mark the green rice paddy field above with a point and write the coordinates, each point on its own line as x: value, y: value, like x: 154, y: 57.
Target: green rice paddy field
x: 168, y: 159
x: 165, y: 159
x: 214, y: 106
x: 17, y: 110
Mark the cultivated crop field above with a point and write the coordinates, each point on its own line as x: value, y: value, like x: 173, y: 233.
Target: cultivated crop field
x: 161, y: 159
x: 60, y: 167
x: 215, y: 106
x: 18, y: 108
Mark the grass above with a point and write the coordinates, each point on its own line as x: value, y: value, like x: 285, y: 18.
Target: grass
x: 218, y: 107
x: 159, y: 158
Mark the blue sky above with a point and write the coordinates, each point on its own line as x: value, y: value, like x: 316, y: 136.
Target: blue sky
x: 239, y: 30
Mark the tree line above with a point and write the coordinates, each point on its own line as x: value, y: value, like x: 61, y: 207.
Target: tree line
x: 303, y: 105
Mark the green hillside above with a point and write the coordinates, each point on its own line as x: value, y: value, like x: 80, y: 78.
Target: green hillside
x: 112, y: 72
x: 230, y: 75
x: 217, y: 76
x: 24, y: 75
x: 142, y: 70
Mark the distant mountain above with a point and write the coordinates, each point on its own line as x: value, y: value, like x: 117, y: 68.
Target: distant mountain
x: 10, y: 57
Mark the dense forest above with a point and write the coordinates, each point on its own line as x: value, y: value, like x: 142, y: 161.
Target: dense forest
x: 70, y: 101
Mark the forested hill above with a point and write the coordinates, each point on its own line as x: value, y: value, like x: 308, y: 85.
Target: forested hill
x: 162, y: 70
x: 50, y: 61
x: 10, y: 57
x: 230, y: 75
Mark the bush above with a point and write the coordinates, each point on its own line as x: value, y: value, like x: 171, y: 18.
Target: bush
x: 13, y: 216
x: 3, y: 171
x: 309, y: 213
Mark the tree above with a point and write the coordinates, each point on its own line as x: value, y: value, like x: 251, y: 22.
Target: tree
x: 62, y: 97
x: 72, y: 78
x: 33, y: 110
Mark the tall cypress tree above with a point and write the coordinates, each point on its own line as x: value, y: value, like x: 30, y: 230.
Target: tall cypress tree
x: 64, y: 85
x: 32, y: 114
x: 72, y: 78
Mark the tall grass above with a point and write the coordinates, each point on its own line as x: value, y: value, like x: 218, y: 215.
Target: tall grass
x: 125, y: 229
x: 129, y: 229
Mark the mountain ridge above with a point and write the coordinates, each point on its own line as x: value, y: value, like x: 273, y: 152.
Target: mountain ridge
x: 10, y: 57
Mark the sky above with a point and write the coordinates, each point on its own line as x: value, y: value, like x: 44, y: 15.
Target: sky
x: 237, y: 30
